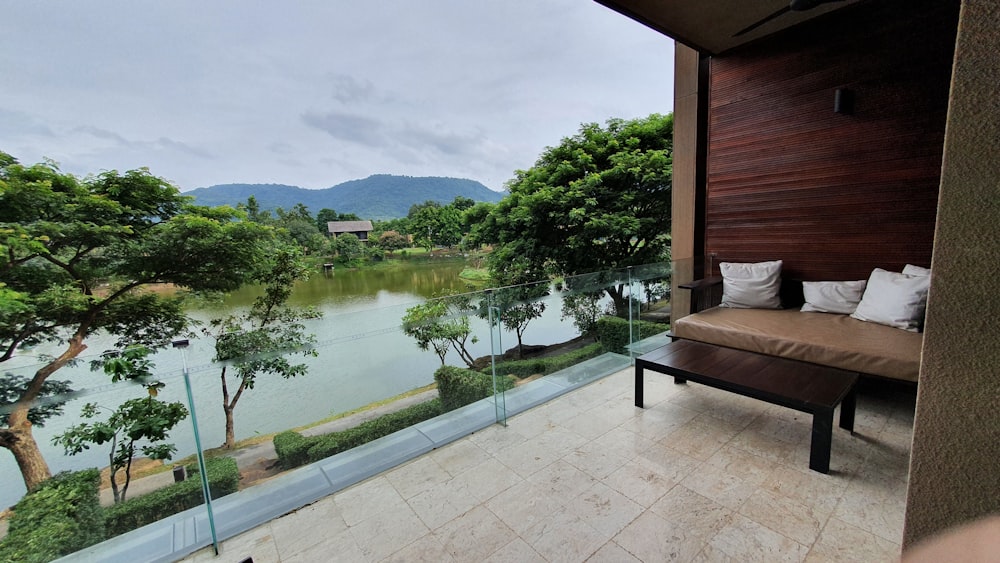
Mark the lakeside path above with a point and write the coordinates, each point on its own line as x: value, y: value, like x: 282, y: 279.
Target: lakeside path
x: 258, y: 462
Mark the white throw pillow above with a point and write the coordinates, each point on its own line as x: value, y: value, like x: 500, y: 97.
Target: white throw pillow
x: 751, y: 286
x: 894, y: 299
x: 833, y: 296
x: 912, y: 270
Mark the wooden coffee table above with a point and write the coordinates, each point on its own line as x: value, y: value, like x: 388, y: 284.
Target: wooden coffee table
x: 802, y: 386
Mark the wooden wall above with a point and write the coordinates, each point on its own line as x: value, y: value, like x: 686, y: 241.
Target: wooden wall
x: 832, y: 195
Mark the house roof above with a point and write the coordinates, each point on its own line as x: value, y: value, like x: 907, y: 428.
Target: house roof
x: 713, y: 27
x: 348, y: 226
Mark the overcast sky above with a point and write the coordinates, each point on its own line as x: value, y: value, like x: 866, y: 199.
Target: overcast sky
x: 317, y: 93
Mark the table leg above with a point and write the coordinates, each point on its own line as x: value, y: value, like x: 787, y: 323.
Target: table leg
x: 638, y: 385
x: 847, y: 408
x: 822, y: 439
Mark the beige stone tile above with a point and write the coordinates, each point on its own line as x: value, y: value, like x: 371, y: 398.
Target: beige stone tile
x: 653, y: 538
x: 367, y: 499
x: 388, y: 532
x: 658, y: 421
x: 427, y: 548
x: 562, y: 481
x: 810, y: 488
x: 257, y: 543
x: 306, y: 527
x: 876, y: 504
x: 701, y: 437
x: 474, y: 535
x: 522, y: 506
x: 441, y: 504
x: 601, y: 457
x: 768, y: 447
x: 786, y: 424
x: 840, y: 541
x: 486, y: 480
x: 639, y: 481
x: 669, y: 463
x: 611, y: 552
x: 746, y: 466
x: 722, y: 487
x: 417, y: 476
x: 590, y: 424
x: 605, y: 509
x: 516, y: 551
x: 340, y: 548
x: 796, y: 521
x: 540, y: 451
x: 564, y: 536
x: 689, y: 511
x: 494, y: 438
x: 459, y: 456
x: 743, y: 539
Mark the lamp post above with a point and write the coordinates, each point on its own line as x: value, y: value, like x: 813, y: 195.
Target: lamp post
x: 206, y: 491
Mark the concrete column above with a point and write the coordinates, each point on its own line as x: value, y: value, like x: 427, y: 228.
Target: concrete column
x: 955, y: 461
x: 686, y: 62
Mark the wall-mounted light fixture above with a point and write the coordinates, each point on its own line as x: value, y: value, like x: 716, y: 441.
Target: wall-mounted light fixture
x: 843, y: 101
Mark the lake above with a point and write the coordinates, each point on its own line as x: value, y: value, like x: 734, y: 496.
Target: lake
x: 363, y: 357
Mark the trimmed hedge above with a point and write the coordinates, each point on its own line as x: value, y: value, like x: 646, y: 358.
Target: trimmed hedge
x: 545, y: 366
x: 63, y: 515
x: 294, y: 450
x: 612, y: 332
x: 458, y: 387
x: 223, y: 479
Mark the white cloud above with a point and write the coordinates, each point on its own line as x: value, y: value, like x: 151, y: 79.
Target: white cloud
x: 315, y: 93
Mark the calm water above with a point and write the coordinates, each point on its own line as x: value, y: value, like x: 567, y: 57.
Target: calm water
x: 363, y: 357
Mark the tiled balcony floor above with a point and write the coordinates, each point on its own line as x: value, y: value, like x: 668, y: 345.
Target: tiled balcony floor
x: 698, y: 475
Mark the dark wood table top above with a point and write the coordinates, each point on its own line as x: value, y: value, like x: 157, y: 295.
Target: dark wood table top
x: 793, y: 383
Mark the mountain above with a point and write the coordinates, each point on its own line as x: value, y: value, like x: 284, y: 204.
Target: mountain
x: 381, y: 196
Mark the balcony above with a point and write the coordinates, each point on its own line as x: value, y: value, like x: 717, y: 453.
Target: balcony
x: 561, y: 468
x: 699, y: 475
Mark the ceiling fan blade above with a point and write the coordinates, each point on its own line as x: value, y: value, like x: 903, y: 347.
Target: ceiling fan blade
x: 766, y: 19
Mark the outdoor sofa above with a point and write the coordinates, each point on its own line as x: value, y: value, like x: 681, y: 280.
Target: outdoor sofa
x: 871, y: 327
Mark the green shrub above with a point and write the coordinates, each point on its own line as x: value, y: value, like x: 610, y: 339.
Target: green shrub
x: 63, y: 515
x: 223, y: 479
x: 294, y: 449
x: 545, y: 366
x: 458, y: 387
x: 612, y: 332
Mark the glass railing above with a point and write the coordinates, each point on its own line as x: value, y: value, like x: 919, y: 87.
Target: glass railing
x: 373, y: 387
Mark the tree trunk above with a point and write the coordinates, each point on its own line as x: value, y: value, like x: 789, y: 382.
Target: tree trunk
x: 617, y: 294
x: 230, y: 431
x: 17, y: 436
x: 21, y: 443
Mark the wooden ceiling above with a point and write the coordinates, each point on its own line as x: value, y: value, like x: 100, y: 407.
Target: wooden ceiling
x: 710, y: 26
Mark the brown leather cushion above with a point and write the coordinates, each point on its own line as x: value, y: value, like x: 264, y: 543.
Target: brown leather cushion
x: 820, y: 338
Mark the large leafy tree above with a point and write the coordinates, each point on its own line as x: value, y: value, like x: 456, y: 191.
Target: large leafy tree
x: 260, y: 341
x: 599, y: 200
x: 74, y: 257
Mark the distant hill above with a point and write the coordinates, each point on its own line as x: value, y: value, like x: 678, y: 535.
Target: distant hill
x: 381, y: 196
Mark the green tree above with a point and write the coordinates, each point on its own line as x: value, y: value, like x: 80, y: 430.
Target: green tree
x: 260, y: 341
x: 348, y: 246
x: 325, y: 216
x: 392, y: 241
x: 74, y: 258
x: 442, y: 323
x: 434, y: 224
x: 135, y: 421
x: 515, y: 306
x: 599, y: 200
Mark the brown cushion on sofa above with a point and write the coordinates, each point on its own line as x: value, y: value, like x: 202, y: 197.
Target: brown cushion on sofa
x: 821, y: 338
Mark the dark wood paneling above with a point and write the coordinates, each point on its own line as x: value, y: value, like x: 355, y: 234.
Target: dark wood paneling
x: 832, y: 195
